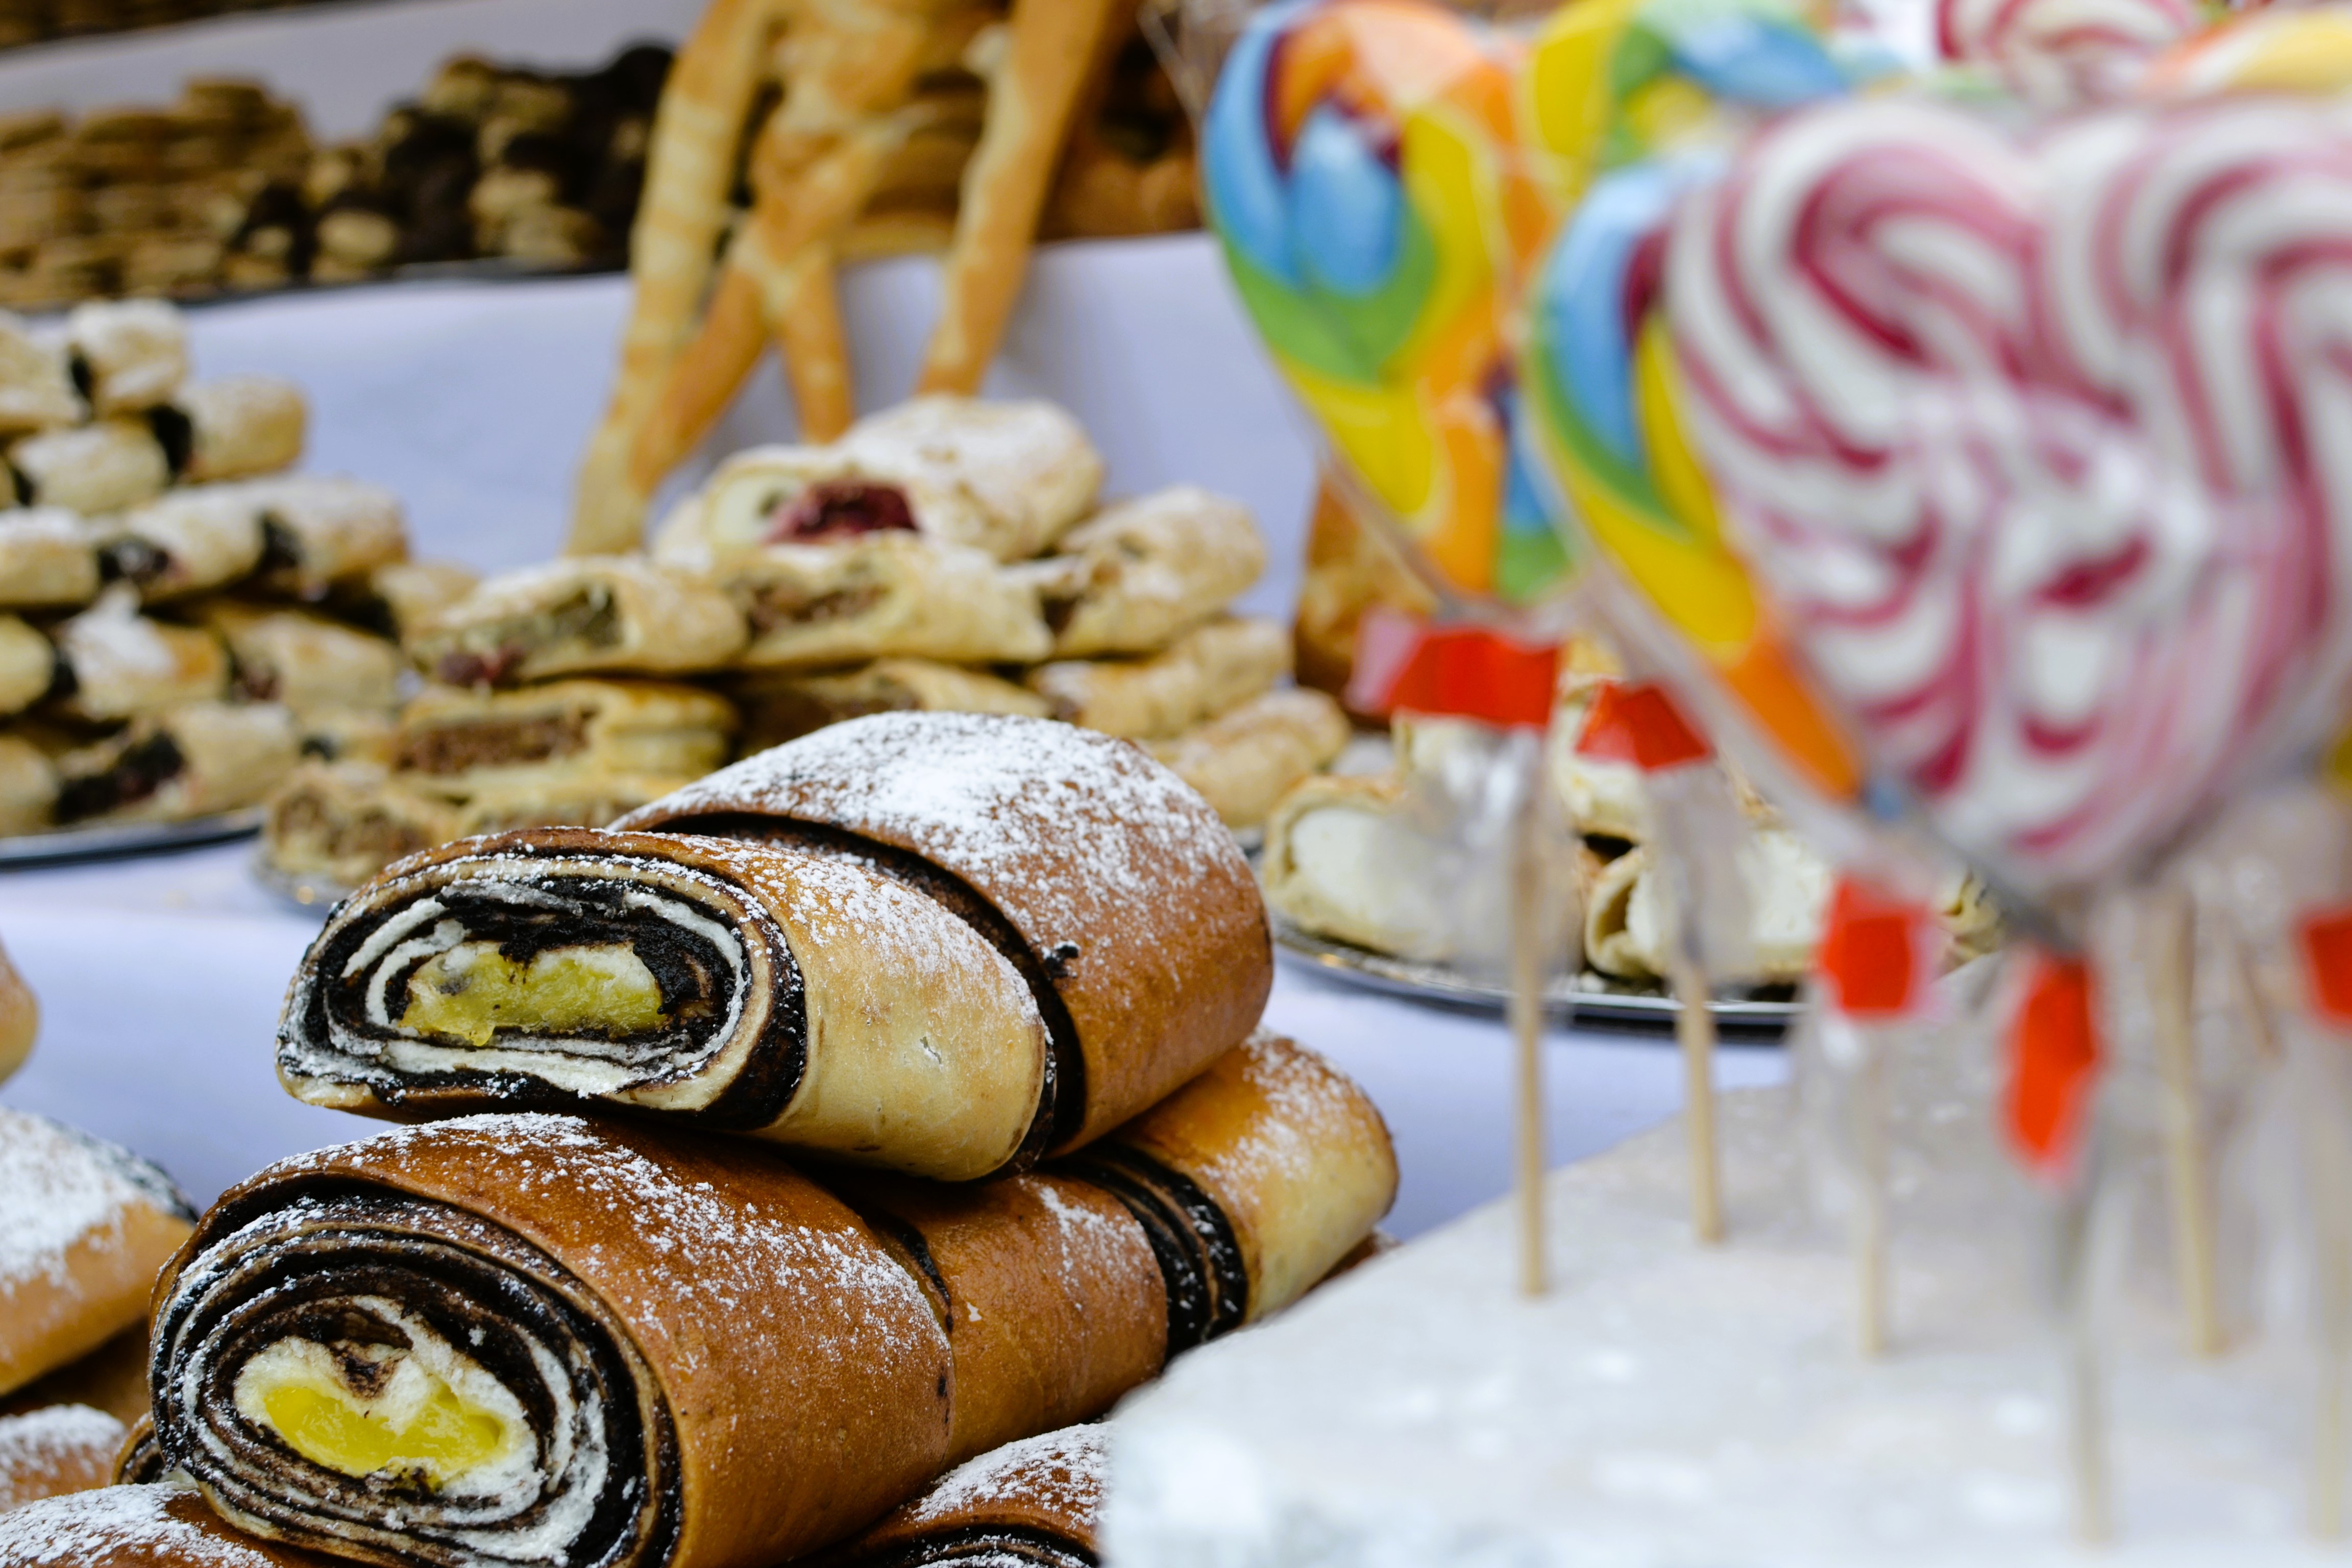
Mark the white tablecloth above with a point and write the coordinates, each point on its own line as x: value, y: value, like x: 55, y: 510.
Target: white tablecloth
x: 160, y: 982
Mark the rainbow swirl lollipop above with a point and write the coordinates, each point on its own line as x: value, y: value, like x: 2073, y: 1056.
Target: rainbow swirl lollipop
x: 1359, y: 162
x: 1613, y: 83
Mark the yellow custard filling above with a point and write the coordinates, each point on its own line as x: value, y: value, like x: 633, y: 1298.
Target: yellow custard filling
x: 473, y: 991
x: 412, y: 1424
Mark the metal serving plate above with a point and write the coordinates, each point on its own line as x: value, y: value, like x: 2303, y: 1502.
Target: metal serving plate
x: 1588, y: 998
x: 111, y: 841
x: 312, y: 895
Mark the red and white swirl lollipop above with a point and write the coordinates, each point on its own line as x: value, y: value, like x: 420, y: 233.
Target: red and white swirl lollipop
x: 2064, y: 51
x: 2033, y: 444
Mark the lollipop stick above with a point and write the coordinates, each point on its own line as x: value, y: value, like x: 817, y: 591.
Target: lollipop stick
x: 1527, y: 1031
x: 2086, y: 1427
x: 1869, y: 1243
x: 2327, y: 1445
x: 1695, y: 1029
x: 2169, y: 962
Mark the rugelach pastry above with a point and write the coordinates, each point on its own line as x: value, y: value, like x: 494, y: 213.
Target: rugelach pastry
x: 48, y: 559
x: 304, y: 660
x: 462, y: 742
x: 582, y: 616
x: 803, y: 998
x: 1341, y: 861
x: 112, y: 466
x: 185, y: 762
x: 238, y: 427
x: 35, y: 391
x: 186, y: 541
x: 342, y: 822
x: 28, y: 665
x: 1139, y: 573
x: 1208, y: 671
x: 57, y: 1449
x: 128, y: 356
x: 20, y: 1018
x: 882, y: 596
x: 1244, y: 760
x: 321, y: 532
x: 83, y: 1227
x: 603, y: 1342
x: 1025, y: 470
x: 1034, y: 1503
x: 397, y: 598
x: 114, y: 663
x: 813, y: 495
x: 780, y: 706
x: 152, y: 1526
x: 28, y: 785
x: 1133, y: 917
x: 1628, y: 929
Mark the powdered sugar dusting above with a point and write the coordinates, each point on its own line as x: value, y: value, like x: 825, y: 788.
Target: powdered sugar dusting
x: 1310, y: 1106
x: 69, y: 1445
x: 58, y: 1186
x: 135, y: 1524
x: 1051, y: 822
x: 1062, y: 1473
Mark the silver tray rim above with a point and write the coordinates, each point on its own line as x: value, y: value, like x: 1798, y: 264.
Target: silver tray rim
x: 120, y: 840
x: 313, y: 895
x: 1564, y: 999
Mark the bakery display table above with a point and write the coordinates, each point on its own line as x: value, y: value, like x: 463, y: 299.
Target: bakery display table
x: 160, y: 982
x: 1669, y: 1405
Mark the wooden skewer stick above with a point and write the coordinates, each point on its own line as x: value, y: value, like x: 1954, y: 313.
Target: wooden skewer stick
x: 1527, y: 1014
x: 1695, y: 1030
x: 2328, y: 1444
x: 2169, y: 958
x: 1870, y: 1231
x: 2086, y: 1427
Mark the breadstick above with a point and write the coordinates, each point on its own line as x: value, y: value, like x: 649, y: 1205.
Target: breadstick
x: 688, y: 168
x: 806, y: 311
x: 1053, y: 47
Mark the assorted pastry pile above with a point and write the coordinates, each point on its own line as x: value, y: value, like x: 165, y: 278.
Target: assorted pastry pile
x: 949, y: 555
x: 137, y: 200
x: 181, y: 619
x: 862, y: 1111
x: 1349, y: 857
x: 916, y: 124
x: 31, y: 21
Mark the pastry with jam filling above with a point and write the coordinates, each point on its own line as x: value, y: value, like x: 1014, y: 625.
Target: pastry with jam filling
x: 28, y: 785
x: 48, y: 559
x: 111, y: 465
x: 114, y: 663
x: 36, y: 393
x: 186, y: 541
x: 126, y: 357
x: 1244, y: 760
x: 1025, y: 470
x: 782, y: 705
x: 238, y: 427
x: 1210, y: 669
x: 28, y: 666
x: 305, y: 660
x: 320, y: 533
x: 580, y: 615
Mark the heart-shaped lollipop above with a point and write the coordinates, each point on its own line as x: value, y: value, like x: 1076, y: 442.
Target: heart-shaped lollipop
x: 2038, y: 445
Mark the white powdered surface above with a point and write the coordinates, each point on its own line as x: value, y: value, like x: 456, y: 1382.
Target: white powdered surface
x: 37, y: 1442
x: 1049, y: 821
x: 1672, y: 1406
x: 57, y: 1187
x: 1060, y: 1472
x: 86, y: 1527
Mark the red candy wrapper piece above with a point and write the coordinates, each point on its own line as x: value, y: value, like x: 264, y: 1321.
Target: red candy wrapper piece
x: 1641, y: 725
x: 1877, y: 953
x: 2326, y: 940
x: 1405, y: 665
x: 2053, y: 1061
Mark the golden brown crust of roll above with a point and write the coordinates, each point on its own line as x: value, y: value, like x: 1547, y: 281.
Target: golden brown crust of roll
x: 112, y: 1378
x: 1043, y: 1492
x: 1207, y: 671
x: 20, y: 1018
x: 154, y: 1526
x: 54, y: 1450
x: 1295, y: 1155
x: 1128, y: 892
x: 805, y: 1374
x: 584, y: 615
x: 86, y: 1226
x: 1054, y: 1301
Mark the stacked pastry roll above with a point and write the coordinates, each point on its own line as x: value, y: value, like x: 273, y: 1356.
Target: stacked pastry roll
x: 180, y: 620
x: 873, y: 1104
